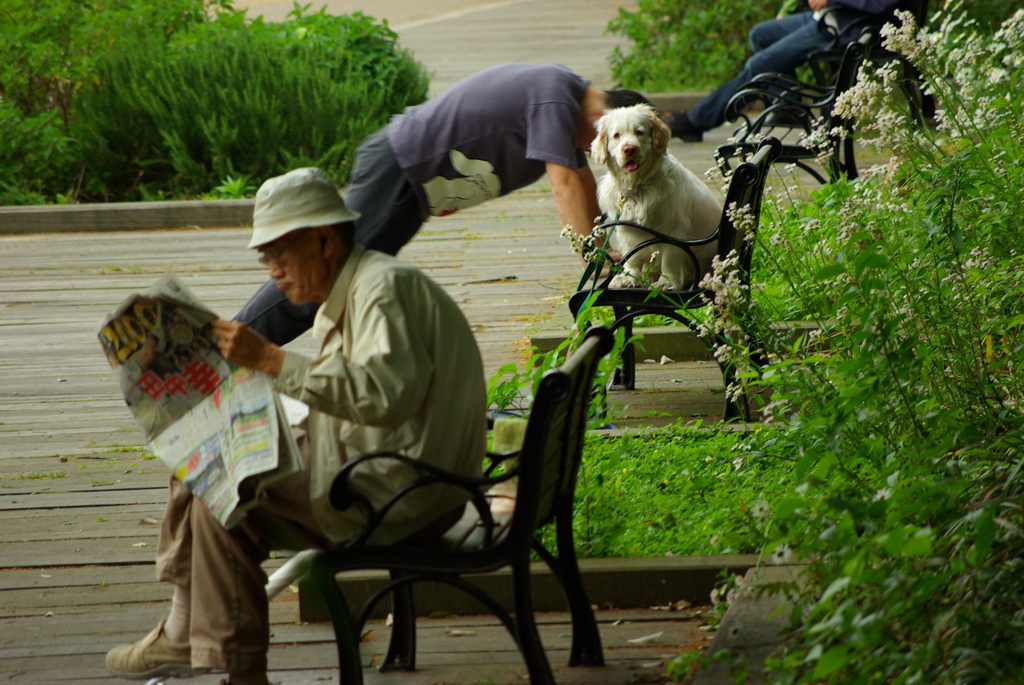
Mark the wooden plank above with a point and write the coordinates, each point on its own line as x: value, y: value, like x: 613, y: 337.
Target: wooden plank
x: 67, y: 576
x: 82, y: 552
x: 96, y: 526
x: 47, y: 500
x: 442, y: 643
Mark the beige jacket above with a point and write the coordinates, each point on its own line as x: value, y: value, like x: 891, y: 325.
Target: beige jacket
x: 399, y: 370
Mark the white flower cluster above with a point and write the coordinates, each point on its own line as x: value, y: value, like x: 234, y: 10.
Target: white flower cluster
x: 728, y: 303
x: 586, y: 245
x: 743, y: 219
x: 967, y: 74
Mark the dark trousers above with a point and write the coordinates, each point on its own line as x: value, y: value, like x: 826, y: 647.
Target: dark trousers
x: 779, y: 45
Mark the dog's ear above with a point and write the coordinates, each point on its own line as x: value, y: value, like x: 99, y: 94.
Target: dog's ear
x: 599, y: 148
x: 661, y: 134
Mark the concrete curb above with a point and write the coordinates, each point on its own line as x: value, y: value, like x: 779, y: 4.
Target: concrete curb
x: 680, y: 101
x: 620, y: 583
x: 675, y: 342
x: 125, y: 216
x: 753, y: 628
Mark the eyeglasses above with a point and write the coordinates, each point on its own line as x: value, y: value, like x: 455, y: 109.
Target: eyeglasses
x: 268, y: 257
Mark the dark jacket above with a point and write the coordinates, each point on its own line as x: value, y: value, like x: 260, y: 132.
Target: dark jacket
x: 848, y: 19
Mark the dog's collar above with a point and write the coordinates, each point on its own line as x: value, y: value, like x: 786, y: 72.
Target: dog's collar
x: 623, y: 197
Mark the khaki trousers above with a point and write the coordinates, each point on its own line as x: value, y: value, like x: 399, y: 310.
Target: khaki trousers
x: 230, y: 626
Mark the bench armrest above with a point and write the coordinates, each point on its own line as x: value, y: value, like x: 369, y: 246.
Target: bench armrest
x: 657, y: 238
x: 343, y: 496
x: 780, y: 92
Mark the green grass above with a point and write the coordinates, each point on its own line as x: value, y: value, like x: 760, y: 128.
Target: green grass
x: 677, y: 491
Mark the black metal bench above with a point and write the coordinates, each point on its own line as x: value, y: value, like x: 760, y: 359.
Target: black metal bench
x: 824, y: 63
x: 792, y: 108
x: 488, y: 537
x: 743, y: 198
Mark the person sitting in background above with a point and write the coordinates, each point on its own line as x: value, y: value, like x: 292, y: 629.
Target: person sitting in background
x: 399, y: 371
x: 779, y: 45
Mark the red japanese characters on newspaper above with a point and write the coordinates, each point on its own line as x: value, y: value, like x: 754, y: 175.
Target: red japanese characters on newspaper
x: 219, y: 428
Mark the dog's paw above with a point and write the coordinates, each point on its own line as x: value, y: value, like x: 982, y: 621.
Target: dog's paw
x: 624, y: 281
x: 664, y: 284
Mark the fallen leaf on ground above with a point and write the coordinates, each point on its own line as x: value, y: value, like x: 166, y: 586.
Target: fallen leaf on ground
x: 645, y: 639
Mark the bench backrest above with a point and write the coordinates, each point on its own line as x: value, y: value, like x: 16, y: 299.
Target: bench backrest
x: 746, y: 188
x: 846, y: 76
x: 742, y: 208
x: 553, y: 444
x: 793, y: 106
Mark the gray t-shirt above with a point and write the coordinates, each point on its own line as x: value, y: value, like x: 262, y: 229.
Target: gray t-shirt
x: 489, y: 134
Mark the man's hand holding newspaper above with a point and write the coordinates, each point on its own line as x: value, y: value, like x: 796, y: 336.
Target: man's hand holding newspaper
x: 218, y: 426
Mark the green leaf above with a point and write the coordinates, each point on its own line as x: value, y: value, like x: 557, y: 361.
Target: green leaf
x: 823, y: 467
x: 836, y: 586
x: 829, y: 271
x: 831, y: 661
x: 870, y: 260
x: 789, y: 507
x: 919, y: 544
x: 984, y: 536
x: 892, y: 542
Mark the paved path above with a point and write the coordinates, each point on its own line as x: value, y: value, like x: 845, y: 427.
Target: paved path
x: 456, y: 38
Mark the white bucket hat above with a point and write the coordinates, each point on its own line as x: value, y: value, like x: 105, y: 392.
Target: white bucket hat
x: 302, y: 198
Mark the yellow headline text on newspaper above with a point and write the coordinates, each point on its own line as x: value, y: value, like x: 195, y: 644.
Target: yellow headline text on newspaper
x: 128, y: 333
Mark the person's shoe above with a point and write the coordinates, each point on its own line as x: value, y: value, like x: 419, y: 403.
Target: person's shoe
x: 683, y: 128
x: 152, y: 656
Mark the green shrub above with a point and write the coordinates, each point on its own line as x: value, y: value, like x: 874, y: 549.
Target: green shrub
x: 141, y: 100
x: 684, y: 45
x: 34, y: 150
x: 904, y: 414
x: 235, y: 99
x: 48, y: 50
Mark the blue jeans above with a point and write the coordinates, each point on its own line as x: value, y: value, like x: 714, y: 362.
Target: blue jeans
x: 390, y: 215
x: 779, y: 45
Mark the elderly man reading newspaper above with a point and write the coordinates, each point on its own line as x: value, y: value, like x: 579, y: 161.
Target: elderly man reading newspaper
x: 399, y: 371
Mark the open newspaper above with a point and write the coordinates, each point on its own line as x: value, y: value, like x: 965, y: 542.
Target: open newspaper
x: 220, y: 428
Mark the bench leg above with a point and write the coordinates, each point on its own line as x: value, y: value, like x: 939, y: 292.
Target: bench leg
x: 526, y: 627
x: 350, y: 667
x: 586, y: 640
x: 734, y: 409
x: 401, y: 654
x: 626, y: 375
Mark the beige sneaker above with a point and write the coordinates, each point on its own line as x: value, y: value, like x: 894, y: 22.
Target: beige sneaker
x: 152, y: 656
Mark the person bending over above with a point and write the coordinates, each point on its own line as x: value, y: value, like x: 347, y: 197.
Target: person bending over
x: 492, y: 133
